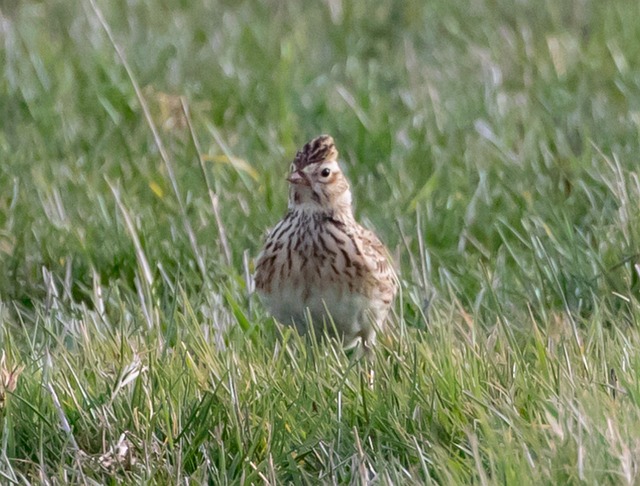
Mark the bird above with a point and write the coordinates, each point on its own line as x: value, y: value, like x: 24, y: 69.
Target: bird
x: 319, y: 268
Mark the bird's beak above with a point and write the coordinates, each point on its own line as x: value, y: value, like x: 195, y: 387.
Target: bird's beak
x: 298, y: 177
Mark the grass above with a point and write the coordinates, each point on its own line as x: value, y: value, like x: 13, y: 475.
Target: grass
x: 492, y: 145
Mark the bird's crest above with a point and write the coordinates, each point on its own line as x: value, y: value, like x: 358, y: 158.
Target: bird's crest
x: 317, y: 150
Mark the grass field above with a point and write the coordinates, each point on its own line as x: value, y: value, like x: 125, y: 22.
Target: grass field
x: 493, y: 145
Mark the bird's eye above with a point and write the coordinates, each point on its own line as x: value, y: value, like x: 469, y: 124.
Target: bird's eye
x: 325, y: 172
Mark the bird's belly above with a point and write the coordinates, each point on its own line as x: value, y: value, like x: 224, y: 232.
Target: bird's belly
x: 328, y: 307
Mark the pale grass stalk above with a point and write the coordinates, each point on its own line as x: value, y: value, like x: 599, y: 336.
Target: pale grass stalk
x: 140, y: 256
x: 473, y: 442
x: 363, y: 470
x: 62, y: 417
x: 164, y: 155
x: 215, y: 205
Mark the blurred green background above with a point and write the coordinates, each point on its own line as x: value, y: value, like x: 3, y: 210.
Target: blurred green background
x: 497, y: 123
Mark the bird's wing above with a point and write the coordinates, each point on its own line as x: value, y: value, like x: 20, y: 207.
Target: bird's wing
x: 377, y: 259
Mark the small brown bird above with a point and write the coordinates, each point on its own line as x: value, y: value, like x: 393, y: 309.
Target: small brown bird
x: 318, y: 262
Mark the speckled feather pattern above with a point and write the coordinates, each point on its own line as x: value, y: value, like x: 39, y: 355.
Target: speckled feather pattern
x: 319, y: 262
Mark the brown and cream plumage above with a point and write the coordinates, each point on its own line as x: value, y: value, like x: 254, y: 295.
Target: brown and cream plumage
x: 318, y: 263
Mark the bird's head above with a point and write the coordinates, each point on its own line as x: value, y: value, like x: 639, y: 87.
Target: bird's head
x: 317, y: 182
